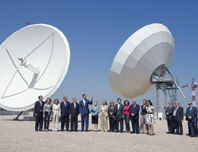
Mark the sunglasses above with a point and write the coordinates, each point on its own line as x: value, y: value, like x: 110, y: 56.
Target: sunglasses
x: 189, y: 103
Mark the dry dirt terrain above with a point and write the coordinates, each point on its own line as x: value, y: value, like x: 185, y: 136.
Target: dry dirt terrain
x: 20, y: 136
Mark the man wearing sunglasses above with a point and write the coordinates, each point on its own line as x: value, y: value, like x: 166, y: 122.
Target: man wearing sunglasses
x: 191, y: 117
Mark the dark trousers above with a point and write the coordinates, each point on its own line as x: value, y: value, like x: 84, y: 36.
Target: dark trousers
x: 170, y: 124
x: 178, y: 126
x: 65, y: 120
x: 135, y: 125
x: 112, y: 123
x: 47, y: 119
x: 192, y: 127
x: 74, y: 123
x: 119, y: 121
x: 126, y: 119
x: 83, y: 118
x: 39, y: 122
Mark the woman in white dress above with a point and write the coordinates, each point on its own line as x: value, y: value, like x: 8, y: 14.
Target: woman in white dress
x: 150, y: 120
x: 56, y: 114
x: 103, y: 113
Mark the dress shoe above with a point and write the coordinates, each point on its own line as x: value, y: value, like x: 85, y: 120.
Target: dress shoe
x: 86, y: 130
x: 82, y: 130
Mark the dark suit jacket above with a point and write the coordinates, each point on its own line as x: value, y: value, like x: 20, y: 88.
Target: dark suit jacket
x: 84, y: 109
x: 64, y: 110
x: 37, y: 108
x: 179, y: 114
x: 135, y: 111
x: 120, y: 112
x: 72, y: 111
x: 193, y: 114
x: 170, y: 112
x: 114, y: 111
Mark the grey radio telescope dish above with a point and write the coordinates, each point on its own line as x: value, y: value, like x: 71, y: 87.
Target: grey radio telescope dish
x: 144, y: 53
x: 34, y: 61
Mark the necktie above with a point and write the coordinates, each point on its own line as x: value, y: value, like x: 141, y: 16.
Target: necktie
x: 41, y: 106
x: 65, y: 104
x: 190, y: 109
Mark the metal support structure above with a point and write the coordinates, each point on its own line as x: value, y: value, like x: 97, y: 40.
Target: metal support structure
x: 174, y: 94
x: 17, y: 118
x: 161, y: 100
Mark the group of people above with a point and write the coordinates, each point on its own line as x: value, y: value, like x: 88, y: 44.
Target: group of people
x: 175, y: 116
x: 115, y: 113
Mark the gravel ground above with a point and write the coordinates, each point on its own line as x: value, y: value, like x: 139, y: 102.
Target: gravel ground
x: 20, y: 136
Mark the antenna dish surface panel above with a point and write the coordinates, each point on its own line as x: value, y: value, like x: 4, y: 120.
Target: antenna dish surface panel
x: 143, y: 52
x: 34, y: 61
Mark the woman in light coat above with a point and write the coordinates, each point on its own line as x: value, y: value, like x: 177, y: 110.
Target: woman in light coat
x: 103, y: 113
x: 56, y: 114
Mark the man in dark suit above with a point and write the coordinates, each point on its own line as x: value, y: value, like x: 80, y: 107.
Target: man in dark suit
x: 191, y: 117
x: 169, y: 117
x: 65, y: 114
x: 120, y: 115
x: 134, y: 114
x: 38, y: 113
x: 84, y: 111
x: 178, y: 116
x: 73, y: 113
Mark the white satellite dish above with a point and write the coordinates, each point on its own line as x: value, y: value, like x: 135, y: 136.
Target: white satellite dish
x: 146, y: 54
x: 34, y: 61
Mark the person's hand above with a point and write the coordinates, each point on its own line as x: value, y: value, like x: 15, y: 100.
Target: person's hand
x: 43, y: 116
x: 132, y: 114
x: 92, y: 99
x: 70, y: 115
x: 51, y: 117
x: 122, y: 116
x: 167, y: 113
x: 35, y: 114
x: 93, y: 115
x: 59, y: 116
x: 100, y: 116
x: 111, y: 113
x: 106, y: 116
x: 80, y: 114
x: 181, y: 120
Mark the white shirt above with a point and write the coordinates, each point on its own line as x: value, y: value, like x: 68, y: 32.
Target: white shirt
x: 103, y: 109
x: 170, y: 107
x: 175, y: 111
x: 75, y: 105
x: 118, y: 106
x: 84, y: 102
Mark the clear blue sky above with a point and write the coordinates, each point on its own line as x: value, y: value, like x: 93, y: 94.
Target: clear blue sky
x: 96, y: 29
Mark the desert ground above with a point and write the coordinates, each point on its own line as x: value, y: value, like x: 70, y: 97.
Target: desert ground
x: 20, y: 136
